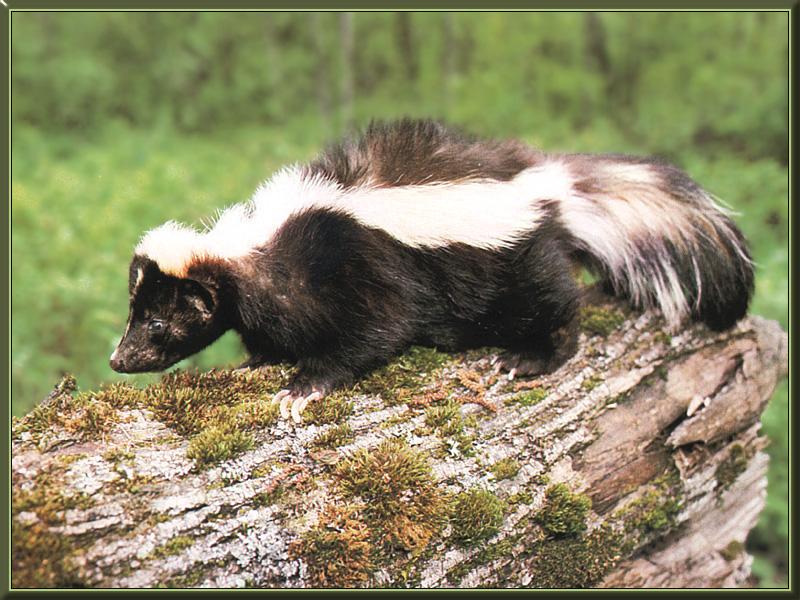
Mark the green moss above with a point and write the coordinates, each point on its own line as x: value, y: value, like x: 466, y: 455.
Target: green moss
x: 564, y: 513
x: 250, y: 415
x: 652, y: 513
x: 47, y: 499
x: 218, y: 443
x: 403, y: 417
x: 334, y: 437
x: 401, y: 379
x: 448, y: 422
x: 334, y: 408
x: 264, y: 469
x: 403, y: 505
x: 90, y: 416
x: 446, y: 417
x: 729, y: 469
x: 118, y: 455
x: 505, y: 468
x: 338, y: 550
x: 476, y: 516
x: 655, y: 511
x: 174, y: 546
x: 45, y: 414
x: 217, y: 407
x: 528, y: 398
x: 86, y: 415
x: 591, y: 382
x: 576, y: 562
x: 600, y: 321
x: 520, y: 498
x: 40, y: 557
x: 732, y: 550
x: 190, y: 401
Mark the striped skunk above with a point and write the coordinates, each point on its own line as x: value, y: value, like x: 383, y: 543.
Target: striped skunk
x: 416, y: 234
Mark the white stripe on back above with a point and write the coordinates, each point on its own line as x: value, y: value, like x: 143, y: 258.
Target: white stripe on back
x: 481, y: 213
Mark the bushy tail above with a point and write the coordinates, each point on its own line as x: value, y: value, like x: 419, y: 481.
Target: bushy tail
x: 659, y: 239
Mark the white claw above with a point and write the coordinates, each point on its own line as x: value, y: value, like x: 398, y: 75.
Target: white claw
x: 300, y: 405
x: 495, y: 358
x: 277, y: 397
x: 512, y: 373
x: 297, y: 408
x: 286, y: 401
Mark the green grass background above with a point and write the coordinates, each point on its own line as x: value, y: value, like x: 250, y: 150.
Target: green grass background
x: 122, y: 121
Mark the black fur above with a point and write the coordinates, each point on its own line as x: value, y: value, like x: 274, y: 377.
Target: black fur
x: 339, y: 298
x: 415, y: 152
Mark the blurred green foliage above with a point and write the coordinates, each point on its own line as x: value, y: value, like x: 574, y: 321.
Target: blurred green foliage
x: 124, y: 120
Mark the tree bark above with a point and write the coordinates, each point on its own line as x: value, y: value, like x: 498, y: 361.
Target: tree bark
x: 593, y: 475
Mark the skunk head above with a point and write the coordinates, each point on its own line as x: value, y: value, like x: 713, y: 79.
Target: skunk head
x: 170, y: 318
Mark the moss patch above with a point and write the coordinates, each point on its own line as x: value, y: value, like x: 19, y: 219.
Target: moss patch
x: 334, y: 408
x: 402, y: 503
x: 527, y: 398
x: 520, y: 498
x: 118, y: 455
x: 191, y: 401
x: 447, y: 420
x: 476, y: 516
x: 564, y: 513
x: 216, y: 409
x: 173, y: 546
x: 338, y: 549
x: 505, y: 468
x: 655, y: 511
x: 84, y: 414
x: 576, y: 562
x: 334, y: 437
x: 651, y: 513
x: 402, y: 378
x: 218, y: 443
x: 600, y: 321
x: 39, y: 557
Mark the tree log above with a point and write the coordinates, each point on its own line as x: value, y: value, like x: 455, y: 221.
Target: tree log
x: 433, y: 472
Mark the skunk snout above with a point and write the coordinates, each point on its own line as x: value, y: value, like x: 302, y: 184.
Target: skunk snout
x: 117, y: 362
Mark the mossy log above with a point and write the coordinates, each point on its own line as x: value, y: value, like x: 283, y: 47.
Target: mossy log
x: 432, y: 472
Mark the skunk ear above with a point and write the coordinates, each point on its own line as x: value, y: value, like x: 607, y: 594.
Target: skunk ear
x: 200, y: 296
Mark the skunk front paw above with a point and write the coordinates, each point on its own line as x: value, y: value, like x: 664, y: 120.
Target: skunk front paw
x: 294, y: 403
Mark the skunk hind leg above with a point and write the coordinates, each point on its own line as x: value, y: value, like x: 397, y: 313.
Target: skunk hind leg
x: 538, y: 318
x: 545, y: 357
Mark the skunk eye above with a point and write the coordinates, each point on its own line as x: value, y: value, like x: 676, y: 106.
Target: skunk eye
x: 155, y: 326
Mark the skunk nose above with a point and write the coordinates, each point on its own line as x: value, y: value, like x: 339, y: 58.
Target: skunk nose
x: 116, y: 362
